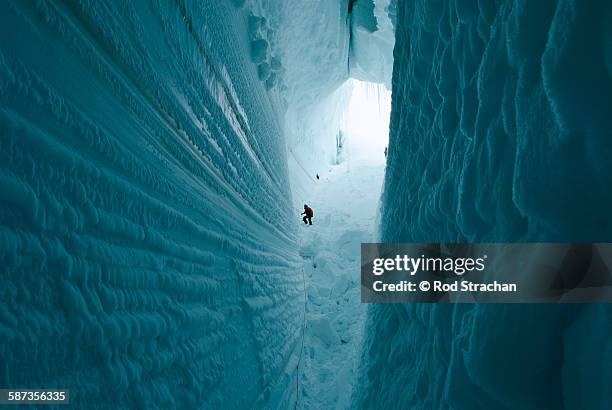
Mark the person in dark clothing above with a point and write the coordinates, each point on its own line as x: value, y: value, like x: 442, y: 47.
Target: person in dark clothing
x: 385, y: 152
x: 317, y: 176
x: 307, y: 215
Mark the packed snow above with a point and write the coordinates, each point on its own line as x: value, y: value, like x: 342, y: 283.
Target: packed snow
x: 345, y: 201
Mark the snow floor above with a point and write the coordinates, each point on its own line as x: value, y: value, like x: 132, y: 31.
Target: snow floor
x: 345, y: 208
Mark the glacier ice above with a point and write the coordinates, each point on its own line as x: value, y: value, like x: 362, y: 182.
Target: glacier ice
x: 372, y: 40
x: 155, y: 156
x: 497, y: 135
x: 149, y: 256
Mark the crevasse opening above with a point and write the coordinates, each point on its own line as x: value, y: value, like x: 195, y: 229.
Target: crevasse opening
x: 366, y: 119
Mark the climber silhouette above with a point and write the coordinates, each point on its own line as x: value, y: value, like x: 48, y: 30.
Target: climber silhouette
x: 308, y: 214
x: 317, y: 176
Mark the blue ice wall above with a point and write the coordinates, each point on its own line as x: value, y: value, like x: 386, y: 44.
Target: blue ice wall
x: 500, y: 131
x: 146, y: 253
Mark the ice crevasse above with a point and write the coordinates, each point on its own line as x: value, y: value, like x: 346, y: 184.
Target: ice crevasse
x: 153, y: 154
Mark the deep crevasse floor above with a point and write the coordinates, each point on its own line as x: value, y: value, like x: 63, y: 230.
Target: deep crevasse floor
x: 345, y: 207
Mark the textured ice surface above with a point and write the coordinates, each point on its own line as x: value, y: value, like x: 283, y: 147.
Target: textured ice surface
x: 372, y: 40
x: 301, y: 52
x: 148, y: 256
x: 153, y: 154
x: 498, y: 134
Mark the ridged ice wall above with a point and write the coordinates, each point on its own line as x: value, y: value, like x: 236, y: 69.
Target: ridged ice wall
x: 147, y: 253
x: 500, y: 132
